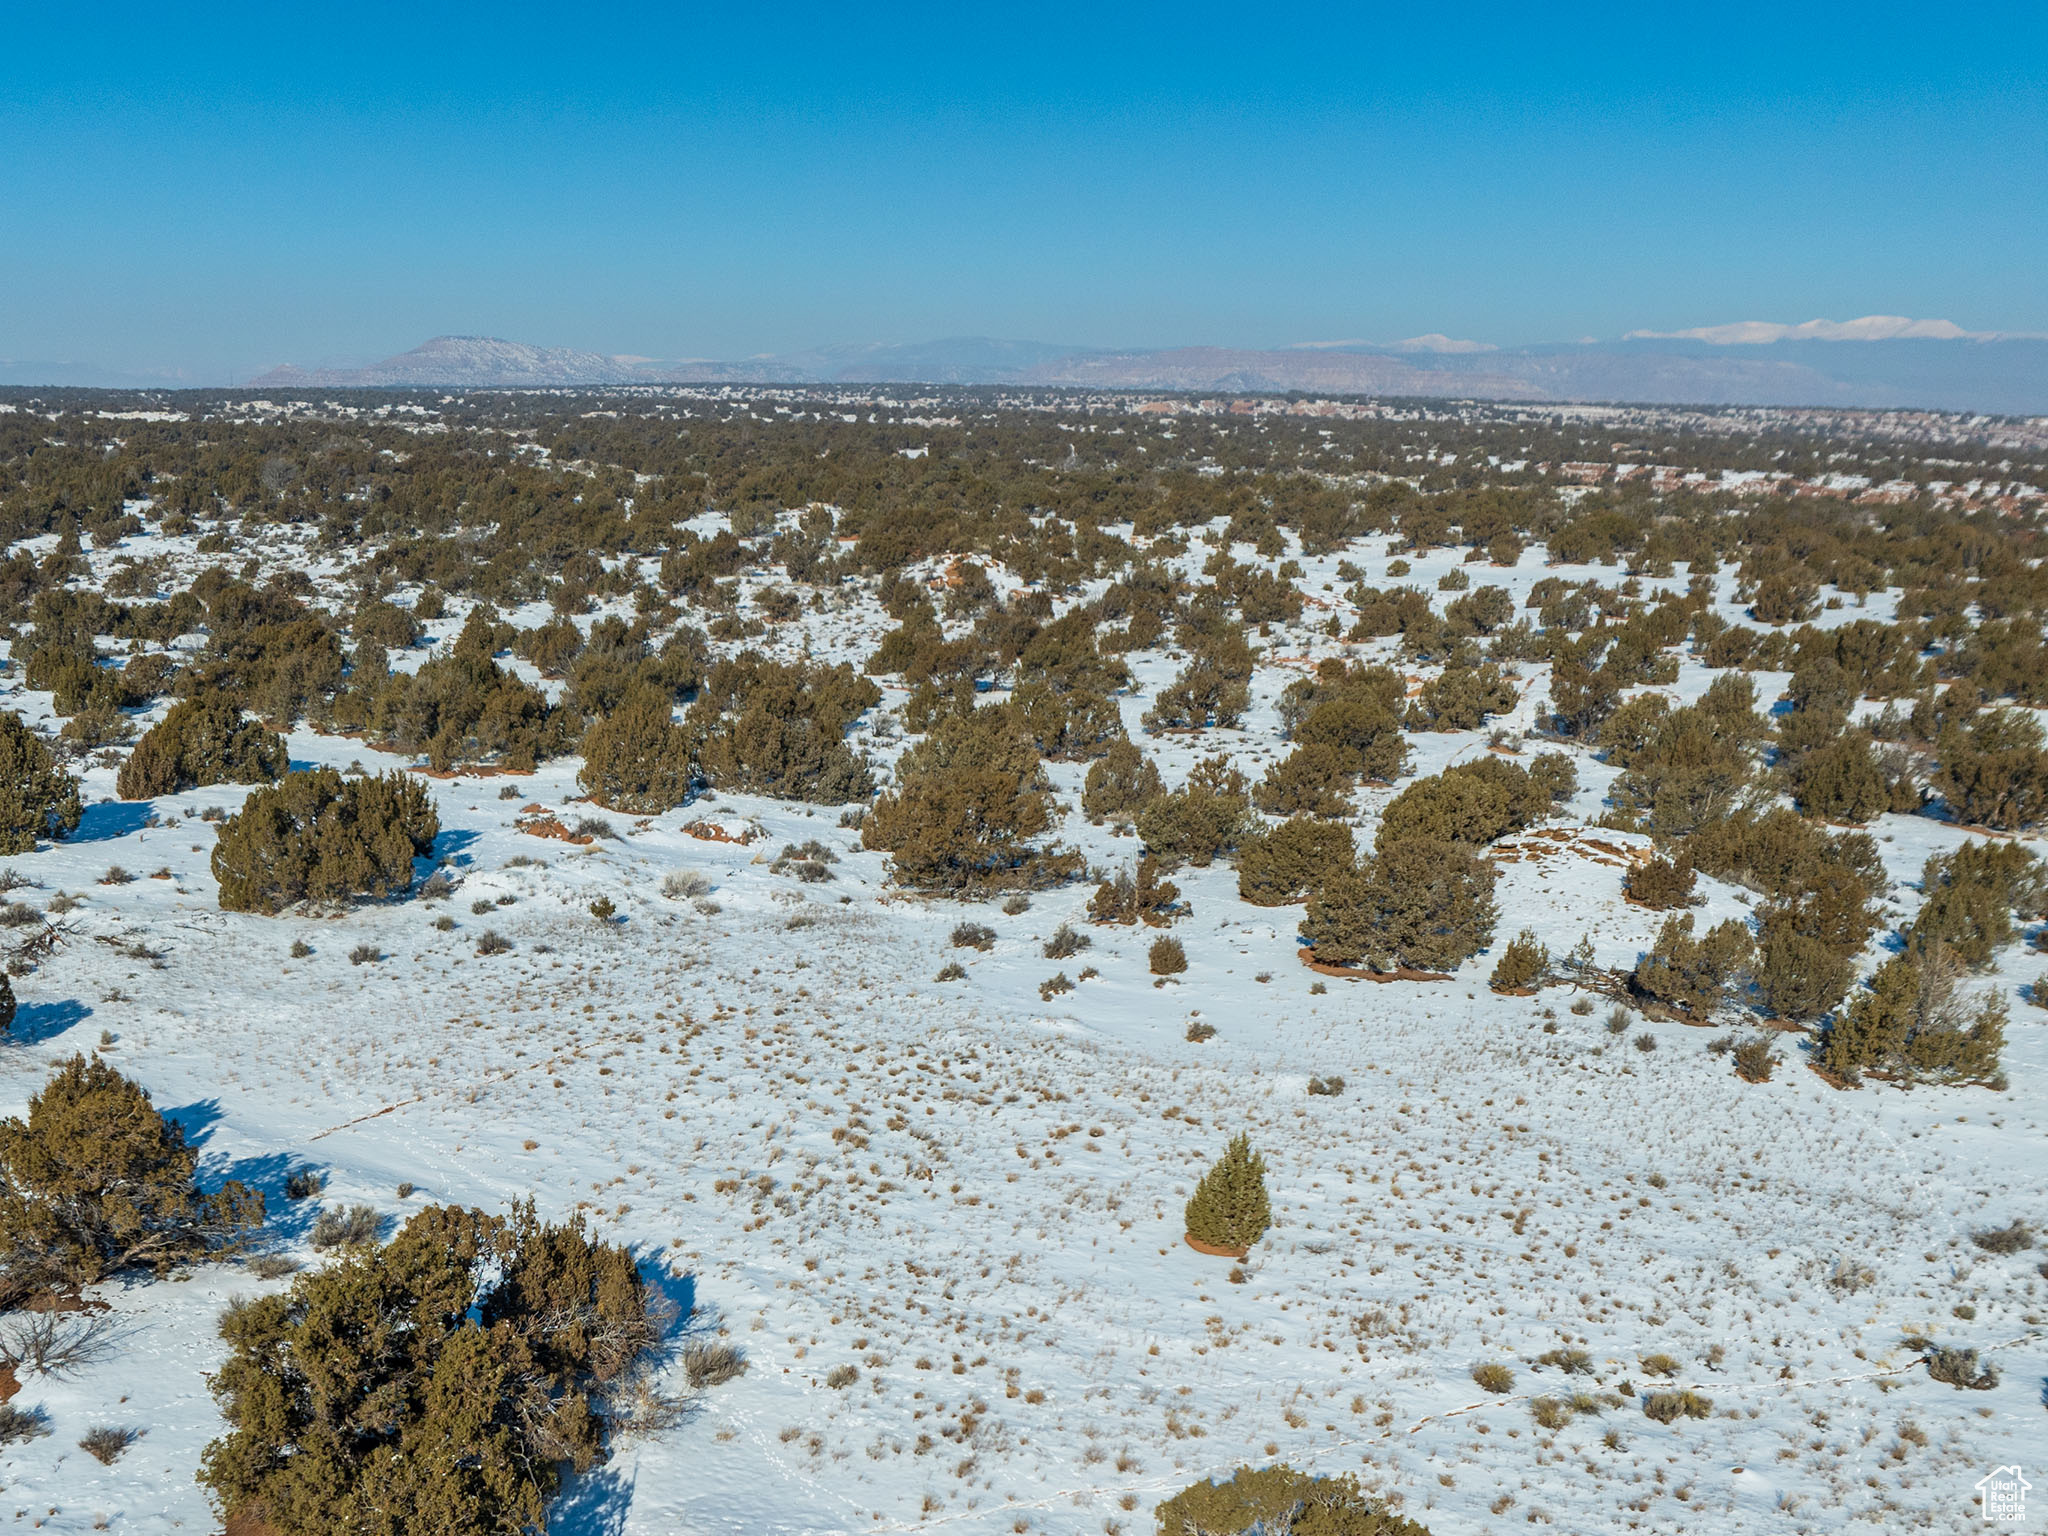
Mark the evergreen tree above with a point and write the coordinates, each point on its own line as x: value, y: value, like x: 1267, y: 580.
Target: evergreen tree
x: 203, y: 740
x: 1120, y: 783
x: 96, y: 1181
x: 1229, y: 1208
x: 316, y: 836
x: 440, y: 1385
x: 636, y: 759
x: 1283, y: 864
x: 1523, y: 964
x: 37, y: 798
x: 1416, y: 902
x: 971, y: 802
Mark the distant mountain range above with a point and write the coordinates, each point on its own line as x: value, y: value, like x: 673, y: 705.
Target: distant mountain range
x: 1877, y: 361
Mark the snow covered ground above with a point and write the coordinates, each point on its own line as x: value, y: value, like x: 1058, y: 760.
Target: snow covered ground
x: 973, y: 1197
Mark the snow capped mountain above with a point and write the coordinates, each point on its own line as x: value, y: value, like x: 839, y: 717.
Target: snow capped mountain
x: 1748, y: 333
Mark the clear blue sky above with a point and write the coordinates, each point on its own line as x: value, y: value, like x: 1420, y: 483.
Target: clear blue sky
x: 218, y: 189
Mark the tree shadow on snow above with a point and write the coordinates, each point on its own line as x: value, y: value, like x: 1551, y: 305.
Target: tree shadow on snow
x: 451, y: 843
x: 595, y: 1504
x: 111, y: 819
x: 196, y: 1120
x: 36, y: 1023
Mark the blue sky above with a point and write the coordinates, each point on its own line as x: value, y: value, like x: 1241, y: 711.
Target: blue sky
x: 219, y: 188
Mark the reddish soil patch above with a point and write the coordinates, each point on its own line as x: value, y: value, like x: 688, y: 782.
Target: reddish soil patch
x: 8, y: 1385
x: 1212, y: 1250
x: 548, y: 826
x: 712, y: 832
x: 1514, y: 991
x: 247, y: 1523
x: 1355, y: 973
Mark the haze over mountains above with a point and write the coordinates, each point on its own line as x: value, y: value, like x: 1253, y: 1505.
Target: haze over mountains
x: 1877, y: 360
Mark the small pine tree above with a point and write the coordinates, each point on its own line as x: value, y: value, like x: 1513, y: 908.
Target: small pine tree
x: 1168, y: 957
x: 1229, y: 1208
x: 1523, y: 964
x: 7, y: 1003
x: 37, y: 798
x: 1695, y: 974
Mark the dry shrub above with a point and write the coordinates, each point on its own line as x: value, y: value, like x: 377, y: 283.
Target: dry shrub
x: 1494, y: 1377
x: 1549, y: 1413
x: 1670, y: 1407
x: 2008, y: 1239
x: 1960, y: 1368
x: 105, y: 1443
x: 712, y: 1362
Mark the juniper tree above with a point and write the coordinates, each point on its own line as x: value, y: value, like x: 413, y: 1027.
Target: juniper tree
x: 1283, y: 864
x: 1523, y: 963
x: 203, y: 740
x: 440, y: 1385
x: 1229, y: 1208
x: 37, y: 798
x: 1416, y: 902
x: 316, y: 836
x: 1120, y: 783
x: 637, y: 759
x: 95, y: 1181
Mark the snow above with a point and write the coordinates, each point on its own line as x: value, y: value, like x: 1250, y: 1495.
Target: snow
x: 974, y: 1196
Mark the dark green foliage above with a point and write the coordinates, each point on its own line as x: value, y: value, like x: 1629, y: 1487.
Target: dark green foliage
x: 637, y: 759
x: 1694, y: 974
x: 317, y: 836
x: 8, y: 1006
x: 1229, y: 1208
x: 1206, y: 817
x: 1214, y: 688
x: 96, y: 1181
x: 1780, y: 854
x: 1460, y: 699
x: 1661, y: 883
x: 1073, y: 727
x: 1971, y: 896
x: 1283, y: 864
x: 203, y: 740
x: 773, y: 729
x: 1309, y: 781
x: 1842, y: 781
x: 37, y: 798
x: 1800, y: 977
x: 1120, y: 783
x: 1363, y: 732
x: 1993, y: 772
x: 1474, y: 803
x: 1915, y: 1022
x: 1146, y: 897
x: 970, y: 803
x: 1417, y: 902
x: 1279, y: 1501
x: 1683, y: 769
x: 462, y: 708
x: 437, y: 1386
x: 1523, y: 964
